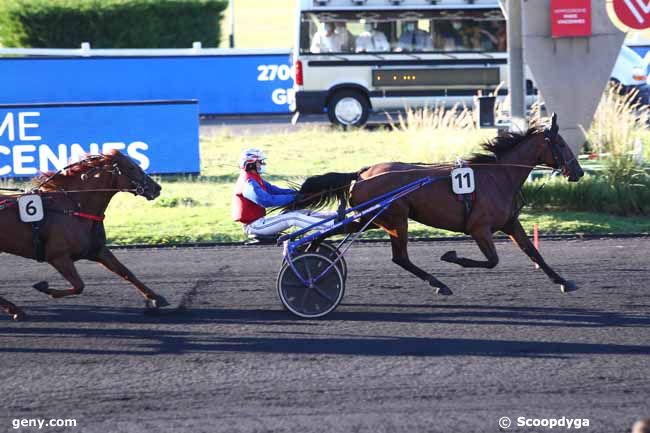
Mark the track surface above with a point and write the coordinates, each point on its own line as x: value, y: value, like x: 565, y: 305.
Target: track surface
x: 394, y: 357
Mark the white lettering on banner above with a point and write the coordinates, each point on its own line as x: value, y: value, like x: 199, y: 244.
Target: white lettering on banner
x: 107, y: 147
x: 279, y: 96
x: 47, y: 157
x: 8, y: 127
x: 283, y: 96
x: 20, y: 159
x: 134, y: 151
x: 5, y: 170
x: 27, y: 159
x: 22, y: 125
x: 271, y: 72
x: 77, y: 153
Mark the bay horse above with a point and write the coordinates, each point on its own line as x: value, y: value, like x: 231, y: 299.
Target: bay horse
x: 499, y: 176
x: 74, y: 200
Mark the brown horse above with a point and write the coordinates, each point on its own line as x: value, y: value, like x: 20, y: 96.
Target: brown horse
x: 499, y: 177
x: 75, y: 200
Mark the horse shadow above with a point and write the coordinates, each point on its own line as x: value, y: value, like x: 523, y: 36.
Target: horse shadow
x: 184, y: 332
x: 480, y: 314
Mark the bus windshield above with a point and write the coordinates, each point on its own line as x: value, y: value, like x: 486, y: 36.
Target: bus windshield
x: 402, y: 31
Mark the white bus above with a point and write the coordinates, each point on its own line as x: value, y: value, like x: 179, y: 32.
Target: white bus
x: 354, y: 57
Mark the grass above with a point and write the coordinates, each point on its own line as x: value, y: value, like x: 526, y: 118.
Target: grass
x: 261, y: 24
x: 197, y: 209
x: 133, y: 220
x: 629, y: 196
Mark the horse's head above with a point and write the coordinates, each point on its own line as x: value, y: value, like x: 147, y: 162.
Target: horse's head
x: 128, y: 175
x: 557, y: 154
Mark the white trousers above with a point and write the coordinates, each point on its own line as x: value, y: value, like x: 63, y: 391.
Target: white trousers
x: 300, y: 218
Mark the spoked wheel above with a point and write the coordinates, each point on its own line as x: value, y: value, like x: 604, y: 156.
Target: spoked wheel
x: 329, y: 250
x: 310, y: 299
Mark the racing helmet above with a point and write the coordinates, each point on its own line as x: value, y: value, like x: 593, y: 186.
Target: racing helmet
x: 251, y: 156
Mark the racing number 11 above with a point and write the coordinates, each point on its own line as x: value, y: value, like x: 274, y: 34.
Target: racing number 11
x: 462, y: 180
x: 468, y: 180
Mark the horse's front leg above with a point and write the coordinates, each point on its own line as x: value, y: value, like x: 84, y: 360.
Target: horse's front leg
x: 518, y: 234
x: 15, y: 312
x: 106, y: 258
x: 483, y: 238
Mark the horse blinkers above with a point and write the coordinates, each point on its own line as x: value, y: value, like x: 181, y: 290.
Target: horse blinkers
x: 550, y: 136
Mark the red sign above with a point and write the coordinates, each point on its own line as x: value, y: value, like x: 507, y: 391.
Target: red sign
x: 633, y: 13
x: 570, y: 18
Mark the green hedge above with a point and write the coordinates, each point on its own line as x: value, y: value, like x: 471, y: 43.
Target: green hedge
x: 110, y: 23
x: 630, y: 197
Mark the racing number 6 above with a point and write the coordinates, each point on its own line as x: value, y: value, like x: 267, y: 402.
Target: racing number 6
x: 30, y: 208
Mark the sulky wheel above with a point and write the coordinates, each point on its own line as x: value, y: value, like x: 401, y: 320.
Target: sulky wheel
x: 310, y: 300
x: 329, y: 250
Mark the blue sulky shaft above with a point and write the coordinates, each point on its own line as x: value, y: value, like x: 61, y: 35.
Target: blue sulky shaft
x: 376, y: 205
x: 383, y: 200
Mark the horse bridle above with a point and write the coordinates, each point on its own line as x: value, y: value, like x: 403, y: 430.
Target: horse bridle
x: 550, y: 136
x: 139, y: 185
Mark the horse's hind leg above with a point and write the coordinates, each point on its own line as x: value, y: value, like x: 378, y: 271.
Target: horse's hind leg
x: 483, y: 238
x: 67, y: 269
x: 399, y: 241
x: 15, y: 312
x: 518, y: 234
x: 106, y: 258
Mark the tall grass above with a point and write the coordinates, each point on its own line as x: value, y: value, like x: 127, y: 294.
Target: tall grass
x: 438, y: 134
x: 591, y: 194
x: 618, y: 124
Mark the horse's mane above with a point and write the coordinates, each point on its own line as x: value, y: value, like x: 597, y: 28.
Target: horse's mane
x: 57, y: 180
x: 499, y: 146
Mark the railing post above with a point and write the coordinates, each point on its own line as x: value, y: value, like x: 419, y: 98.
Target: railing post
x: 85, y: 49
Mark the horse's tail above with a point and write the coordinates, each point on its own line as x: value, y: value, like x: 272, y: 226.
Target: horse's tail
x: 322, y: 191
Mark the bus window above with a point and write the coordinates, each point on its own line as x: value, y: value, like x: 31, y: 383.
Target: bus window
x: 469, y: 35
x: 399, y: 32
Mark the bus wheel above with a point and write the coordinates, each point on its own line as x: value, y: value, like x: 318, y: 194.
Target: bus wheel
x: 348, y: 108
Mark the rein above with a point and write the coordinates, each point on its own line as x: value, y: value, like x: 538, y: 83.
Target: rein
x: 433, y: 166
x: 115, y: 170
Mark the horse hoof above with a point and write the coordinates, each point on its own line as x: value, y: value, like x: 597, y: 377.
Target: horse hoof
x: 449, y: 256
x: 568, y: 286
x: 444, y: 291
x: 18, y: 316
x: 42, y: 287
x: 157, y: 302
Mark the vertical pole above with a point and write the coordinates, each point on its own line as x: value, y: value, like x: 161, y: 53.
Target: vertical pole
x: 231, y: 5
x: 536, y: 240
x: 516, y: 82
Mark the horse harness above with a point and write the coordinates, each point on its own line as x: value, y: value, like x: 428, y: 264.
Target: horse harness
x: 37, y: 241
x: 466, y: 199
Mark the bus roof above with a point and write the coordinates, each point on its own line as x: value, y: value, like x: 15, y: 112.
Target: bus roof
x: 360, y: 5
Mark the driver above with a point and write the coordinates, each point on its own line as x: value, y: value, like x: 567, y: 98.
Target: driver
x: 253, y: 195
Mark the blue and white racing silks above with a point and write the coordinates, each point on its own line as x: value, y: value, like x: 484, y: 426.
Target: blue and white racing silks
x: 273, y: 197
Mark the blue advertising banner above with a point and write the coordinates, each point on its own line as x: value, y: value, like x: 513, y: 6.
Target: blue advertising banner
x: 223, y: 84
x: 161, y: 136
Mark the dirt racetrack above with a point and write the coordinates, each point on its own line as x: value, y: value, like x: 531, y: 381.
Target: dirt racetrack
x: 393, y: 358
